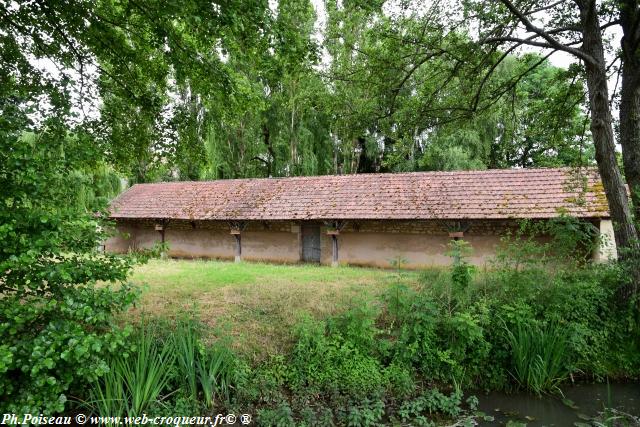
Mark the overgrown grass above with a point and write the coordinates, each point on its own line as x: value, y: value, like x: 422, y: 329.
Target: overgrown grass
x: 384, y: 345
x: 256, y: 304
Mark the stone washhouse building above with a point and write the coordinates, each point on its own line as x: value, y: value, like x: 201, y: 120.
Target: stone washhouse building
x: 367, y: 219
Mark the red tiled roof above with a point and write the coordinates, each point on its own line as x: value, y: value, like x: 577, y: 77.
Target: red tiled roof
x: 512, y: 193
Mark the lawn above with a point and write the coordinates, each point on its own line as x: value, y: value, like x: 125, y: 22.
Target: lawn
x: 257, y: 304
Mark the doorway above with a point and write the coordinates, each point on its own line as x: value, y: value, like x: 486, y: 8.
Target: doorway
x: 311, y: 243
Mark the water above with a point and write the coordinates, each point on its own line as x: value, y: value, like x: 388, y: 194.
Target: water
x: 588, y: 400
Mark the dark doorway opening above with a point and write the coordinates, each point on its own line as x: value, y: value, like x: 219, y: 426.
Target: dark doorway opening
x: 311, y: 243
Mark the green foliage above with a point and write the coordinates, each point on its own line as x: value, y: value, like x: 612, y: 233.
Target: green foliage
x: 333, y: 363
x: 505, y: 328
x: 400, y: 379
x: 461, y: 271
x: 157, y: 365
x: 187, y: 347
x: 540, y: 356
x: 443, y: 342
x: 248, y: 90
x: 281, y: 416
x: 365, y: 413
x: 431, y: 402
x: 56, y: 323
x: 53, y: 347
x: 216, y: 373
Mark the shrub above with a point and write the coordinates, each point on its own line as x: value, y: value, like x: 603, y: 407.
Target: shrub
x: 332, y: 364
x: 53, y: 347
x: 280, y: 416
x: 461, y: 270
x: 431, y: 402
x: 400, y: 379
x: 56, y: 328
x: 365, y: 413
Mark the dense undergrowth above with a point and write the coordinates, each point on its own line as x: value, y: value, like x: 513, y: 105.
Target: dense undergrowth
x: 539, y: 318
x: 532, y: 321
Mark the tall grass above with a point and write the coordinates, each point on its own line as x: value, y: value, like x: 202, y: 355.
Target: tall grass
x: 146, y: 373
x: 187, y: 346
x: 539, y: 356
x: 135, y: 381
x: 215, y: 374
x: 107, y: 397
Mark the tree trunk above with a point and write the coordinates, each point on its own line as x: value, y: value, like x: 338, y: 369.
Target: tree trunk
x: 630, y: 132
x: 625, y: 231
x: 271, y: 161
x: 293, y: 142
x: 630, y: 98
x: 602, y: 130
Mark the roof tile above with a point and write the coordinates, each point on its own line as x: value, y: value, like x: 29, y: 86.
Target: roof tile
x: 490, y: 194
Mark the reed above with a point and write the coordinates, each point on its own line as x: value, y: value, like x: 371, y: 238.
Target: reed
x: 539, y: 356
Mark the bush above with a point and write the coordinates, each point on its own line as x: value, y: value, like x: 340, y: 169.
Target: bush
x: 53, y: 347
x: 431, y: 402
x: 56, y: 325
x: 365, y: 413
x: 332, y: 363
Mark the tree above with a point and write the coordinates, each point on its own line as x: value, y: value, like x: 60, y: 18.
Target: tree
x: 407, y: 92
x: 577, y: 28
x: 57, y: 327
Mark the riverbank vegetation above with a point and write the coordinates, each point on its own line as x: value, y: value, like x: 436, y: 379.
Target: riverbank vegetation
x: 397, y: 347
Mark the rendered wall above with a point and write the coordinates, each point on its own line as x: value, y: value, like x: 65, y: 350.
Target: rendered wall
x: 370, y: 243
x: 415, y: 250
x: 274, y: 242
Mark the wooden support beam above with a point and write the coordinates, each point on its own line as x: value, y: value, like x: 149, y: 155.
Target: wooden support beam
x: 161, y: 227
x: 334, y: 259
x: 457, y: 229
x: 333, y: 229
x: 238, y: 255
x: 236, y: 228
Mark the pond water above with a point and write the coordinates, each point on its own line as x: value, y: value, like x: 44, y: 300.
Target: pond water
x: 581, y: 403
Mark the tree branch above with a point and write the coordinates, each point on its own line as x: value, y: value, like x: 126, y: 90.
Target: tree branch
x: 552, y: 43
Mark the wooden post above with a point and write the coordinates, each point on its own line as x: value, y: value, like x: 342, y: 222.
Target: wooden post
x: 334, y: 231
x: 334, y: 260
x: 238, y: 256
x: 236, y: 230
